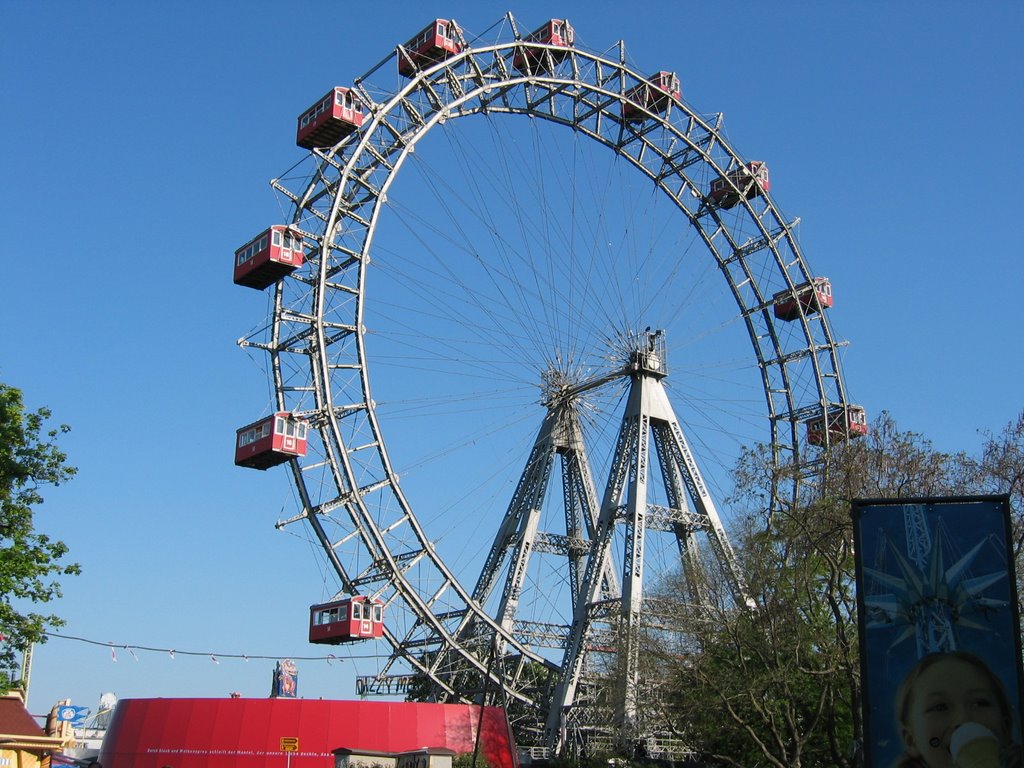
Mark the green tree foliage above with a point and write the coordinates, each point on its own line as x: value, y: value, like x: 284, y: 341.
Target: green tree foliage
x: 29, y: 561
x: 1000, y: 469
x: 779, y: 684
x: 774, y: 684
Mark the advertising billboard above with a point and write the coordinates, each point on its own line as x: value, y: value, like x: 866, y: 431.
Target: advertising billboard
x: 939, y: 638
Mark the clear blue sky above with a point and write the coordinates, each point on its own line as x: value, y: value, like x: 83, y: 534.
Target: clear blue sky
x: 137, y: 143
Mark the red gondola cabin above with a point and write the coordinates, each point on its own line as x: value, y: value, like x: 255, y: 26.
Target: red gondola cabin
x: 268, y: 257
x: 804, y: 299
x: 842, y: 423
x: 653, y: 96
x: 271, y: 441
x: 437, y: 41
x: 343, y: 621
x: 332, y: 118
x: 751, y: 180
x: 556, y: 32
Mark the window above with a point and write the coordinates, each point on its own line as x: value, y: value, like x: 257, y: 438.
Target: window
x: 327, y: 616
x: 247, y: 437
x: 345, y: 98
x: 251, y: 249
x: 289, y: 426
x: 357, y: 611
x: 378, y: 613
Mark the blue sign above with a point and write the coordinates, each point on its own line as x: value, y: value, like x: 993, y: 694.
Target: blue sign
x: 938, y: 621
x: 67, y: 714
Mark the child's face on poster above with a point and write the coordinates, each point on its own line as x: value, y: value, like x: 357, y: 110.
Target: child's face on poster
x: 948, y: 694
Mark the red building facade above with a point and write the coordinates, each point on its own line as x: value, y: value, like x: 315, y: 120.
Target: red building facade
x: 258, y: 733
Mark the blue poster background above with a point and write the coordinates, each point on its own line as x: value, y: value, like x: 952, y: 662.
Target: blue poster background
x: 958, y: 525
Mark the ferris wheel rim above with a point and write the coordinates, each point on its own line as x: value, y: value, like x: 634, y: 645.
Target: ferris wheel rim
x: 359, y: 146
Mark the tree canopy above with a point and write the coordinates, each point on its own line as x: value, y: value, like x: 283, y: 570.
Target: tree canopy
x: 30, y: 561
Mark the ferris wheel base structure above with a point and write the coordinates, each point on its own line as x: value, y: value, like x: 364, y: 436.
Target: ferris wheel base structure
x: 479, y: 635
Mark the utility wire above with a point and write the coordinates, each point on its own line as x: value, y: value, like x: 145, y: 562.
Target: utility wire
x: 172, y: 652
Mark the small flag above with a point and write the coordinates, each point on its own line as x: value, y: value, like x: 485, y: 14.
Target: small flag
x: 69, y: 714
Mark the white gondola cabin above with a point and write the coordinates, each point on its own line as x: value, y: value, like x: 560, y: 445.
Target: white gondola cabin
x: 748, y: 181
x: 805, y: 299
x: 343, y: 621
x: 332, y: 118
x: 556, y: 32
x: 653, y: 95
x: 271, y: 441
x: 840, y: 424
x: 437, y: 41
x: 268, y: 257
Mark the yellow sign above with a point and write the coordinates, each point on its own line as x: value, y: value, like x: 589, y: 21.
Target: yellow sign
x: 289, y: 743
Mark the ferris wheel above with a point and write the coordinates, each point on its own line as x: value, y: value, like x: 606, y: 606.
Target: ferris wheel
x: 510, y: 263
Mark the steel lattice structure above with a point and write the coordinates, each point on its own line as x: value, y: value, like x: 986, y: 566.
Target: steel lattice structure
x: 456, y: 633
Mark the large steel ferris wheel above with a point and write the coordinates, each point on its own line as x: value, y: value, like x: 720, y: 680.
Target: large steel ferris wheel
x: 550, y: 254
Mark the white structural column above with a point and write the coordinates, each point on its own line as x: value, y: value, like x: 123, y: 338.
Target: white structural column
x: 627, y: 502
x: 519, y: 537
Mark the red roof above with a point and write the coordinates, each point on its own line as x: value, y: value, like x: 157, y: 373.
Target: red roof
x: 16, y: 721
